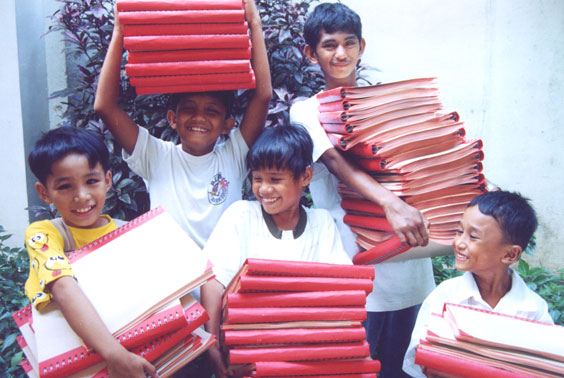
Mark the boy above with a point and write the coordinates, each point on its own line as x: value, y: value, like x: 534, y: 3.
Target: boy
x: 72, y: 166
x: 198, y: 179
x: 275, y: 226
x: 333, y: 35
x: 494, y: 231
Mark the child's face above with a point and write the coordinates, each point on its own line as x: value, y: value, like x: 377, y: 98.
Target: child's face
x: 479, y: 244
x: 279, y: 193
x: 337, y: 55
x: 77, y: 191
x: 199, y: 120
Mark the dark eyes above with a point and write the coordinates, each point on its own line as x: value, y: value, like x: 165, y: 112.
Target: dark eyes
x: 63, y: 187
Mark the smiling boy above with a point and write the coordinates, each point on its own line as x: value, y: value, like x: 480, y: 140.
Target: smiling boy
x: 72, y: 166
x: 333, y: 35
x: 275, y: 226
x: 494, y: 231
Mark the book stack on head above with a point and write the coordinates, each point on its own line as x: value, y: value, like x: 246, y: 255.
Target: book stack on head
x: 469, y: 342
x: 401, y: 136
x: 186, y: 45
x: 139, y: 284
x: 288, y: 318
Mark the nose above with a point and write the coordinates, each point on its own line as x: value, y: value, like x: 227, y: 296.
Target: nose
x: 340, y: 52
x: 265, y: 188
x: 459, y: 242
x: 81, y: 194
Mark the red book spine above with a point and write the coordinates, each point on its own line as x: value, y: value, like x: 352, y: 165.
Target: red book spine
x: 363, y: 206
x: 300, y: 299
x: 155, y: 5
x: 152, y: 81
x: 184, y: 29
x: 290, y: 284
x: 293, y: 336
x: 194, y: 88
x: 187, y: 68
x: 289, y: 314
x: 183, y: 42
x: 381, y: 252
x: 277, y: 369
x: 306, y: 269
x: 372, y: 223
x: 299, y: 353
x: 187, y: 55
x: 182, y: 16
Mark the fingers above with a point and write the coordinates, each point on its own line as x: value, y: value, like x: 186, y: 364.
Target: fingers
x: 150, y: 369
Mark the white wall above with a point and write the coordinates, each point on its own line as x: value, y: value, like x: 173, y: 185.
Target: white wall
x: 500, y: 64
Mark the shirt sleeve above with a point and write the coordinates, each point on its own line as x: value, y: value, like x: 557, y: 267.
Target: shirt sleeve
x: 305, y: 113
x: 47, y: 261
x: 145, y: 154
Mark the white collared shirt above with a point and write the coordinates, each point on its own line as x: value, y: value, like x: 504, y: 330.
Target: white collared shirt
x: 519, y: 301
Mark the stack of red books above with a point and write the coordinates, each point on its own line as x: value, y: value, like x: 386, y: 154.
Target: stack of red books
x: 145, y: 306
x: 186, y: 45
x: 400, y: 135
x: 298, y: 318
x: 469, y: 342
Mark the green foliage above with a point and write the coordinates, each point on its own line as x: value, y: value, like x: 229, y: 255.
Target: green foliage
x: 549, y: 286
x: 13, y: 269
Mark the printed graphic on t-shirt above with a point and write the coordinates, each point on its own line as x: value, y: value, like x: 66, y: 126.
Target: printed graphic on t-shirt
x: 217, y: 191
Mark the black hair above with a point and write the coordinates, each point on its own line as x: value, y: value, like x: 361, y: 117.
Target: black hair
x: 515, y: 216
x: 58, y: 143
x: 226, y: 97
x: 282, y: 147
x: 331, y: 17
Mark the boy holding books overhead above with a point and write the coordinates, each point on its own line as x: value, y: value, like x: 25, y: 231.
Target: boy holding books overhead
x: 72, y: 166
x: 333, y: 34
x: 275, y: 226
x: 198, y: 179
x: 494, y: 230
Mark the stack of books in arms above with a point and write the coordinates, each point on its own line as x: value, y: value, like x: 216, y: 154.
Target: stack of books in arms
x: 298, y: 318
x: 186, y: 45
x: 138, y: 278
x: 468, y: 342
x: 401, y: 136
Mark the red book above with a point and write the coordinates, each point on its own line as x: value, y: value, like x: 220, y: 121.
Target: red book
x: 370, y: 222
x: 381, y: 252
x: 293, y: 314
x: 155, y: 81
x: 188, y: 55
x: 280, y: 369
x: 153, y: 5
x: 299, y: 299
x: 299, y: 353
x: 290, y: 284
x: 363, y: 206
x: 183, y: 42
x: 293, y: 336
x: 184, y: 29
x: 187, y: 68
x: 182, y: 17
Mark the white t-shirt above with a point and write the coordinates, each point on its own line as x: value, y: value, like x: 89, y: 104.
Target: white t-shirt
x: 195, y: 190
x: 519, y: 301
x: 242, y: 233
x: 397, y: 285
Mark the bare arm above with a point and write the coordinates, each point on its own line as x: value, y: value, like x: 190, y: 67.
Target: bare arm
x: 106, y: 104
x: 408, y: 222
x: 83, y: 319
x: 211, y: 300
x: 257, y: 109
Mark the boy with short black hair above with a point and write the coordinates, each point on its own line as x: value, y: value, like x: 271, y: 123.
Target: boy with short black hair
x: 333, y: 34
x: 493, y: 233
x: 196, y: 181
x: 275, y: 226
x: 72, y: 166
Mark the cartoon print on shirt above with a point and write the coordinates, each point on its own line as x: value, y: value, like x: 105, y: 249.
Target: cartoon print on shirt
x: 217, y: 190
x: 39, y: 296
x: 39, y: 242
x: 56, y: 264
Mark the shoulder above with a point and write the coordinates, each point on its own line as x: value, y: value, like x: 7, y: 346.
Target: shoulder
x: 450, y: 289
x: 528, y: 299
x: 304, y: 106
x: 242, y: 209
x: 43, y: 226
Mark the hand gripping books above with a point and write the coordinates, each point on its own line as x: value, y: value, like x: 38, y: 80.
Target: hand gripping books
x: 186, y: 46
x: 399, y: 134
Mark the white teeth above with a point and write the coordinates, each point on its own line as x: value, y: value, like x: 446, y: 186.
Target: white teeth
x: 84, y: 210
x: 269, y: 200
x: 198, y: 129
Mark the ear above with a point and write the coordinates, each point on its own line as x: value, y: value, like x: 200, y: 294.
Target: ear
x: 171, y: 118
x: 108, y: 180
x: 362, y: 46
x: 310, y: 53
x: 43, y: 193
x: 228, y: 125
x: 306, y: 176
x: 512, y: 254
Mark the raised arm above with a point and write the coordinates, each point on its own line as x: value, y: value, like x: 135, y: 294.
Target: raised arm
x: 257, y: 109
x: 106, y: 104
x: 83, y: 319
x: 408, y: 222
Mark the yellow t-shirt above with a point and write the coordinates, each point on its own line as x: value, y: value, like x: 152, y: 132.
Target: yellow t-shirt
x: 47, y: 260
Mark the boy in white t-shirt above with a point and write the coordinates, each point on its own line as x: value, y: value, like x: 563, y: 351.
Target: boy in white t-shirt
x: 198, y: 179
x: 275, y: 226
x: 494, y: 231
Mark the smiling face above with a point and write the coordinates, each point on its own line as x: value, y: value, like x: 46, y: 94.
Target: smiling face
x: 199, y: 120
x: 337, y: 55
x: 77, y: 190
x: 279, y: 193
x: 480, y: 246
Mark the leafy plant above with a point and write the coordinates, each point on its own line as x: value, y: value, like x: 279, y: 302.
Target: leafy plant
x: 13, y: 269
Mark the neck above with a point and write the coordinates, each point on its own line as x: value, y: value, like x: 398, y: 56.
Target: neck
x: 349, y: 81
x: 287, y: 220
x: 493, y: 286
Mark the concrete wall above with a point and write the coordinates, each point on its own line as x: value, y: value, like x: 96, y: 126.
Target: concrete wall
x: 500, y: 64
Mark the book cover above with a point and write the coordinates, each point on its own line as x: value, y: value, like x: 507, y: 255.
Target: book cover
x: 278, y: 369
x: 288, y: 314
x: 293, y: 336
x: 298, y: 299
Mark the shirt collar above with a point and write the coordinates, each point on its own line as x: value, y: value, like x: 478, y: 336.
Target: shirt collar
x: 277, y: 233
